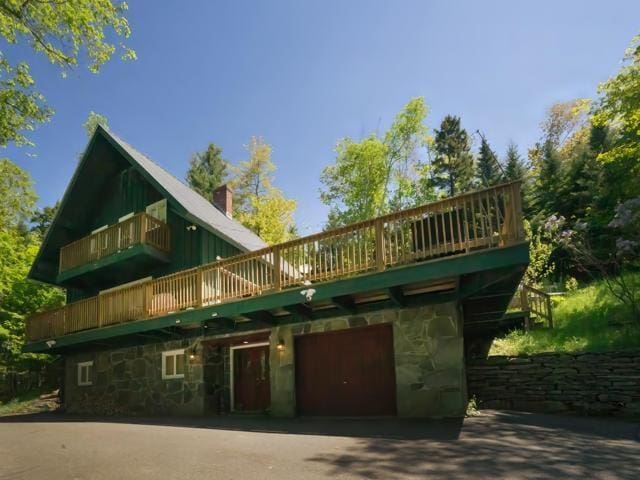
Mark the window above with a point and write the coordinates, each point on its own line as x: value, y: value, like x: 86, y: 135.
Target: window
x: 158, y: 210
x: 173, y: 364
x: 85, y: 373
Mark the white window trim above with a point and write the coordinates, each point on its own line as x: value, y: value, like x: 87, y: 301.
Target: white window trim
x: 89, y: 379
x: 231, y: 350
x: 169, y: 353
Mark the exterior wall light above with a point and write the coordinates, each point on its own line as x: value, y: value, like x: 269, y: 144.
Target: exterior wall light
x: 280, y: 346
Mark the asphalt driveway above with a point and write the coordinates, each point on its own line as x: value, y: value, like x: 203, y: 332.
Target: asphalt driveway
x: 493, y: 445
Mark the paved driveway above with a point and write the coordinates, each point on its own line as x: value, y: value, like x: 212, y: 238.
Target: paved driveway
x: 493, y: 445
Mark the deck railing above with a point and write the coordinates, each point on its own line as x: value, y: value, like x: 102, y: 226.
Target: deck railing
x: 458, y: 225
x: 141, y: 228
x: 536, y: 302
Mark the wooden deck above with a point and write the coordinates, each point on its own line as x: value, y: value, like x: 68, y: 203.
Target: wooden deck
x: 141, y: 228
x: 456, y: 226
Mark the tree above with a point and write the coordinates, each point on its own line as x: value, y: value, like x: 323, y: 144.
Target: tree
x: 259, y: 205
x: 489, y: 171
x: 42, y: 218
x: 207, y: 171
x: 453, y: 163
x: 65, y: 32
x: 93, y: 120
x: 355, y: 186
x: 618, y: 109
x: 18, y: 248
x: 375, y: 175
x: 514, y: 168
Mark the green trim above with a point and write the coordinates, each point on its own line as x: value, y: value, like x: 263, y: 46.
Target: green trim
x: 121, y: 256
x: 484, y: 260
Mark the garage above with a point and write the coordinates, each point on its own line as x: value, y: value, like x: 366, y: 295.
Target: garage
x: 346, y: 372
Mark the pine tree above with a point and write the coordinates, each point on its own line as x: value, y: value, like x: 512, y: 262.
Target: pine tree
x: 207, y: 171
x: 515, y: 168
x: 453, y: 162
x: 548, y: 181
x: 489, y: 171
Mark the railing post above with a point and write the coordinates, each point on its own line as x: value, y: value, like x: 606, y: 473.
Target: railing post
x: 143, y: 228
x: 380, y: 251
x: 199, y: 287
x: 277, y: 269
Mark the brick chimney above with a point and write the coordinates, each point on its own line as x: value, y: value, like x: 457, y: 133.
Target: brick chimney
x: 223, y: 200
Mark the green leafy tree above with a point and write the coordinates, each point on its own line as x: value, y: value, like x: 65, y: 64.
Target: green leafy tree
x: 207, y: 171
x: 377, y: 175
x: 93, y: 120
x: 42, y: 218
x: 453, y: 168
x: 258, y: 204
x: 65, y: 32
x: 489, y: 171
x: 18, y: 248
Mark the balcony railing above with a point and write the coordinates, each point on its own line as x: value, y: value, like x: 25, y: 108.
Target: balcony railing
x: 455, y: 226
x: 139, y: 229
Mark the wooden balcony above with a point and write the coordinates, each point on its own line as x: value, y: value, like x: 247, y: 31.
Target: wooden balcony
x: 453, y: 227
x: 141, y: 229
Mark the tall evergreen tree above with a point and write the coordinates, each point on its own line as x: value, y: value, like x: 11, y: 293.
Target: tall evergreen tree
x: 452, y: 167
x: 548, y: 181
x: 489, y: 171
x: 207, y: 171
x: 514, y: 168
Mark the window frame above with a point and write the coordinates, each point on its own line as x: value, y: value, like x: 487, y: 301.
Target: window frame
x: 174, y: 354
x: 89, y: 366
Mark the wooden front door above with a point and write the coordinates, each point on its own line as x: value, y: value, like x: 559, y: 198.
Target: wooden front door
x: 251, y: 385
x: 346, y: 372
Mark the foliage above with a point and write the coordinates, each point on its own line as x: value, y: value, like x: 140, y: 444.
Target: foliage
x: 514, y: 168
x: 18, y: 248
x: 589, y: 319
x: 65, y: 32
x: 540, y: 262
x: 93, y: 120
x: 207, y: 171
x: 376, y: 175
x: 618, y: 107
x: 258, y: 204
x: 42, y: 218
x: 453, y: 168
x: 489, y: 170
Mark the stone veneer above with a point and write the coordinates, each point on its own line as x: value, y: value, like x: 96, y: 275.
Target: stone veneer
x: 428, y: 352
x: 589, y: 383
x: 128, y: 381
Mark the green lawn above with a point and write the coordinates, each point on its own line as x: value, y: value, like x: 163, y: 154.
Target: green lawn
x: 587, y: 320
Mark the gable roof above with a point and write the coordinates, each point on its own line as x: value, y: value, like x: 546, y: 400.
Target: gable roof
x: 196, y: 207
x: 185, y: 201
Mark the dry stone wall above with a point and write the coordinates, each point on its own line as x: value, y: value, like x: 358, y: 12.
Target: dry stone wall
x: 590, y: 383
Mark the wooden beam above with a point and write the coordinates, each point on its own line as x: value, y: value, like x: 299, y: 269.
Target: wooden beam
x: 396, y: 296
x: 301, y: 309
x: 262, y: 316
x: 346, y: 304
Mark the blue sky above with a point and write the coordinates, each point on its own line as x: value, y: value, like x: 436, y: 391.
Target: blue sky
x: 303, y: 74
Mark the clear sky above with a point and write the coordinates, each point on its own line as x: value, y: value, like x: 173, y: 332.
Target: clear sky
x: 303, y: 74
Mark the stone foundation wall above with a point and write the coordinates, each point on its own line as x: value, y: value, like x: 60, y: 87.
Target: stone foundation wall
x: 429, y: 359
x: 129, y: 381
x: 591, y: 384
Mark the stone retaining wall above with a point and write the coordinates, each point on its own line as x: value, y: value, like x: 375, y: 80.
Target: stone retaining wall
x: 590, y: 383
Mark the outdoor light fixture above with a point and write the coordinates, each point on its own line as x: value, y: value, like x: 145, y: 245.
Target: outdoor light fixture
x: 280, y: 346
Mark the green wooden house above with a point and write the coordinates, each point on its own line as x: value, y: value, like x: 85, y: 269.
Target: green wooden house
x: 173, y: 307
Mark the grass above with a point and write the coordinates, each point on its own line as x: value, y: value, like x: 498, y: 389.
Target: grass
x: 30, y: 402
x: 589, y: 319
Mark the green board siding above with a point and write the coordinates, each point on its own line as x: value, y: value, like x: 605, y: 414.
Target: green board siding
x: 213, y: 247
x: 124, y: 193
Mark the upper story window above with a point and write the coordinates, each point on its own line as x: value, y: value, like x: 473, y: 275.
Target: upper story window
x: 173, y: 364
x: 85, y: 373
x: 158, y: 210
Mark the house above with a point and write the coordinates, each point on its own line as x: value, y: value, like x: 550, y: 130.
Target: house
x: 173, y: 307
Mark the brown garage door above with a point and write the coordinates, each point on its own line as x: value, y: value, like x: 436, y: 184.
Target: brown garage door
x: 346, y: 372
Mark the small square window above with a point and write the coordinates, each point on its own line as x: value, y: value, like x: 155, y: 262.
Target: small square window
x: 173, y: 364
x: 85, y: 373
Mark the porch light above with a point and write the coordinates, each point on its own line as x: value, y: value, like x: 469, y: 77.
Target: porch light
x: 280, y: 346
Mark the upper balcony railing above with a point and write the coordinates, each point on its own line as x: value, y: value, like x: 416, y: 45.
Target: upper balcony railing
x: 455, y: 226
x: 141, y: 228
